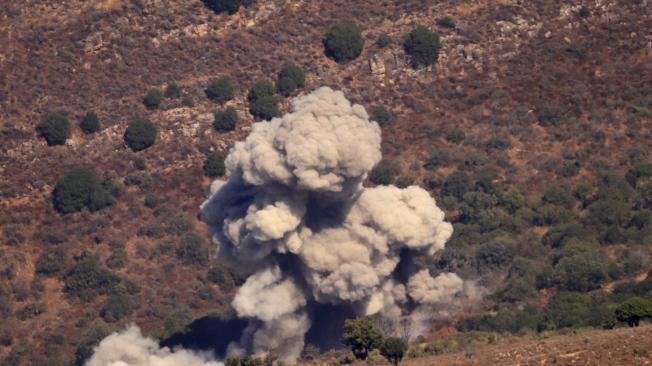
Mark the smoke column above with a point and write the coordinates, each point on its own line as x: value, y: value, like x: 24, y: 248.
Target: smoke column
x: 294, y: 209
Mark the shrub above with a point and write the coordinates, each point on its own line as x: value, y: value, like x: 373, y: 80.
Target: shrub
x: 153, y: 99
x: 638, y: 171
x: 86, y: 280
x: 423, y: 46
x: 584, y: 12
x: 362, y: 336
x: 456, y: 136
x: 634, y: 310
x: 192, y: 250
x: 90, y: 123
x: 393, y: 349
x: 220, y: 90
x: 383, y: 41
x: 382, y: 174
x: 227, y: 6
x: 568, y: 309
x: 214, y: 165
x: 55, y: 128
x: 559, y: 196
x: 582, y: 272
x: 172, y: 90
x: 140, y: 134
x: 222, y: 276
x: 72, y: 192
x: 117, y: 259
x: 262, y: 101
x: 225, y: 120
x: 51, y: 262
x: 115, y: 308
x: 289, y: 79
x: 88, y: 342
x: 139, y: 163
x: 446, y: 22
x: 457, y: 184
x: 381, y: 115
x: 30, y: 311
x: 344, y: 41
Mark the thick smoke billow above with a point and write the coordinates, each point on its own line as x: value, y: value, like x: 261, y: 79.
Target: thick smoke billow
x: 294, y: 208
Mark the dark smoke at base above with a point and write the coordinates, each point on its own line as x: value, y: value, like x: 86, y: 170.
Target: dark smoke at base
x: 294, y: 208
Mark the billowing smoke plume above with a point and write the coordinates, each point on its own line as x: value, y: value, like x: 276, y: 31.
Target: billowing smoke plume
x: 294, y: 209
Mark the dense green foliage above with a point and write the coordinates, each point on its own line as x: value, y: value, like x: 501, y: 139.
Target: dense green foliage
x: 88, y: 342
x: 192, y: 250
x: 362, y: 336
x: 423, y: 46
x: 382, y: 174
x: 140, y: 134
x: 384, y: 40
x: 381, y: 115
x: 446, y: 22
x: 262, y: 101
x: 90, y: 123
x: 51, y: 262
x: 214, y: 165
x: 153, y: 99
x: 172, y: 90
x: 55, y: 128
x: 225, y: 120
x: 220, y: 90
x: 86, y: 280
x: 115, y: 308
x: 344, y: 41
x: 634, y: 310
x: 227, y: 6
x: 80, y: 188
x: 393, y: 349
x: 289, y: 79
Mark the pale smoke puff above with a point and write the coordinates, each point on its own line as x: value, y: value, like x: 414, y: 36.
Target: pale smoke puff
x: 424, y: 289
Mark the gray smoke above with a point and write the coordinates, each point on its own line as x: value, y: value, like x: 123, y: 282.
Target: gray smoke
x: 294, y: 208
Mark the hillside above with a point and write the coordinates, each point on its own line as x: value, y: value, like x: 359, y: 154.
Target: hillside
x: 532, y: 131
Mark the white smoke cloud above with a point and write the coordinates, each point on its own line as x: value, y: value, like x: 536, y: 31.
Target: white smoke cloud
x: 294, y: 207
x: 131, y: 348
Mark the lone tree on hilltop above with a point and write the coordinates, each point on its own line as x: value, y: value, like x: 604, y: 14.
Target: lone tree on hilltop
x: 140, y: 134
x: 55, y: 128
x: 423, y: 46
x: 634, y: 310
x: 344, y: 41
x: 393, y: 349
x: 362, y: 336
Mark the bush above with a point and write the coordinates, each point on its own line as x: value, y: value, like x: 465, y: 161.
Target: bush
x: 192, y: 250
x: 172, y: 90
x: 582, y: 272
x: 423, y: 46
x: 222, y: 276
x: 362, y: 336
x: 638, y: 171
x: 153, y: 99
x: 55, y: 128
x: 214, y: 165
x: 456, y: 136
x: 381, y: 115
x: 140, y: 134
x: 51, y: 262
x: 289, y: 79
x: 225, y: 120
x: 29, y: 311
x: 344, y: 42
x: 457, y: 184
x: 446, y: 22
x: 90, y: 123
x: 262, y: 101
x: 115, y: 308
x: 382, y: 174
x: 139, y: 163
x: 73, y: 191
x: 117, y: 259
x: 220, y: 90
x: 634, y: 310
x: 383, y: 41
x: 559, y: 196
x: 584, y: 12
x: 227, y: 6
x: 568, y: 309
x: 88, y: 342
x: 393, y: 350
x: 86, y: 280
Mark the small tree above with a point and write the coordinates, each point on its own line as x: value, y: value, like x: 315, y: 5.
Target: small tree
x: 383, y: 41
x: 220, y: 90
x: 51, y: 262
x: 382, y: 174
x: 634, y: 310
x: 140, y: 134
x: 214, y: 165
x: 73, y: 191
x: 446, y: 22
x: 55, y: 128
x: 423, y: 46
x: 262, y: 101
x: 225, y: 120
x: 227, y: 6
x: 172, y: 90
x: 381, y: 115
x: 115, y: 308
x: 90, y: 123
x: 192, y: 250
x: 344, y: 41
x: 362, y: 336
x: 393, y: 349
x: 153, y: 99
x: 289, y: 79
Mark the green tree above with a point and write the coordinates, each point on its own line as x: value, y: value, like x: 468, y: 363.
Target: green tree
x: 581, y: 272
x: 192, y: 250
x: 381, y: 115
x: 220, y: 90
x: 634, y: 310
x: 140, y: 134
x: 344, y: 41
x: 446, y: 22
x: 262, y: 101
x: 51, y: 262
x: 55, y: 128
x: 227, y: 6
x: 153, y: 99
x: 172, y: 90
x: 383, y: 173
x: 225, y: 120
x: 423, y: 46
x: 457, y: 184
x: 89, y: 340
x: 362, y: 336
x: 86, y: 280
x: 73, y: 191
x: 214, y: 165
x: 90, y: 123
x: 289, y: 79
x: 115, y: 308
x: 393, y: 349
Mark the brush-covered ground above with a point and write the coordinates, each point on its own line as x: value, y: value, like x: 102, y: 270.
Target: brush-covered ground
x: 532, y: 130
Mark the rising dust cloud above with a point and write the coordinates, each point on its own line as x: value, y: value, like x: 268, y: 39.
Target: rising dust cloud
x: 294, y: 209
